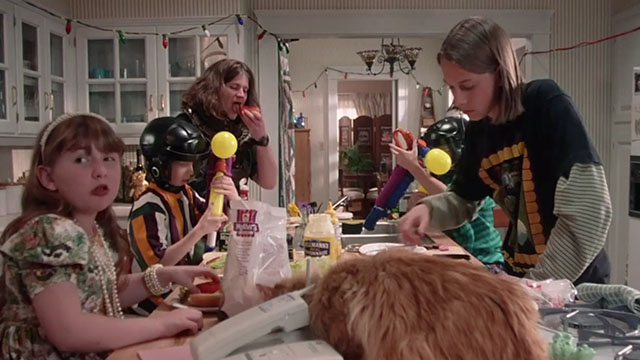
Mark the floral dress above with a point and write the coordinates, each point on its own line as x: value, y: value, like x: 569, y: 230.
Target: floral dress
x: 48, y: 250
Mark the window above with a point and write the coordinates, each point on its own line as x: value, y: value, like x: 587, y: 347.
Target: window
x: 346, y: 106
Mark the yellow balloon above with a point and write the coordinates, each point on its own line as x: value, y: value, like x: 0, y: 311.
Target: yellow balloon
x: 438, y: 161
x: 224, y: 144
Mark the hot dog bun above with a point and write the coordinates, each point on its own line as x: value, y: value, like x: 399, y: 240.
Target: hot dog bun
x: 206, y: 300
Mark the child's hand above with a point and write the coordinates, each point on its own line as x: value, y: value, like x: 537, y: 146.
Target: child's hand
x: 180, y: 320
x: 414, y: 225
x: 224, y: 185
x: 184, y: 275
x: 408, y: 159
x: 415, y: 199
x: 209, y: 223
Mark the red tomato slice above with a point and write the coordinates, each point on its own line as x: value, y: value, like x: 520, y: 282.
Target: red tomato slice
x: 209, y: 287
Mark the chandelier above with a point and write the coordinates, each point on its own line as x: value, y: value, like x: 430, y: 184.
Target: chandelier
x: 391, y: 54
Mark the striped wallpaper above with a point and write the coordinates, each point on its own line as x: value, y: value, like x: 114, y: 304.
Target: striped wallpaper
x: 584, y: 73
x: 128, y: 9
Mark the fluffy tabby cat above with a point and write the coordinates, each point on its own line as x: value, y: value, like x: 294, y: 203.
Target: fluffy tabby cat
x: 402, y: 305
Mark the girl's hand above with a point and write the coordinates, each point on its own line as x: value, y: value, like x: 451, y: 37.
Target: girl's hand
x: 415, y: 198
x: 254, y: 121
x: 180, y: 320
x: 414, y: 225
x: 408, y: 159
x: 209, y: 223
x: 184, y: 275
x: 224, y: 185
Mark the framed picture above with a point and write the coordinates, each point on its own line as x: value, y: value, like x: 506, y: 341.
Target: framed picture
x: 385, y: 135
x: 364, y: 136
x: 345, y: 137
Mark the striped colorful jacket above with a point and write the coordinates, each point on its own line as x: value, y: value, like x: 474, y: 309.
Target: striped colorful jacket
x: 160, y: 218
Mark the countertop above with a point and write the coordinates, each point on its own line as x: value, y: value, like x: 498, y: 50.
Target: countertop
x: 121, y: 210
x: 130, y: 352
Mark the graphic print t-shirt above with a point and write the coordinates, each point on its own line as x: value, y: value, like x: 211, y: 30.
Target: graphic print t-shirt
x: 519, y: 164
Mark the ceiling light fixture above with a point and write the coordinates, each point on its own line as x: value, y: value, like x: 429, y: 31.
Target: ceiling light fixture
x: 391, y: 53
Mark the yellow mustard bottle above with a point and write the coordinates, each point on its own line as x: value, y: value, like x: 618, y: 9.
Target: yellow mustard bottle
x: 320, y: 237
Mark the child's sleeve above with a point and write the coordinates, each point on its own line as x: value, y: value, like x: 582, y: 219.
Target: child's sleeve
x: 48, y: 250
x: 148, y: 234
x: 583, y: 208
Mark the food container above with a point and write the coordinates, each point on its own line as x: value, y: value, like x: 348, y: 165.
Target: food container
x: 352, y: 227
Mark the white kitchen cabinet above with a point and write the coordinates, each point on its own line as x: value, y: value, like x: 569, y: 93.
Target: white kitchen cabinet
x: 34, y: 71
x: 8, y: 90
x: 135, y: 82
x: 186, y: 57
x: 59, y: 85
x: 117, y: 79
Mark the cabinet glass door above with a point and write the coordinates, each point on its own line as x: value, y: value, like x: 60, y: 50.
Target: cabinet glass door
x: 30, y: 71
x: 55, y: 105
x: 119, y: 78
x: 186, y: 58
x: 102, y: 100
x: 132, y: 59
x: 100, y: 58
x: 31, y: 98
x: 8, y: 90
x: 133, y: 107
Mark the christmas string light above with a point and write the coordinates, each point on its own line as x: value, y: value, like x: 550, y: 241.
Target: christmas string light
x: 165, y: 41
x: 206, y: 31
x: 240, y: 21
x: 121, y: 37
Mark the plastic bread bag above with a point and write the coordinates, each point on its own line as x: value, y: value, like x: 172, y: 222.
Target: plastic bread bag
x: 257, y: 254
x: 550, y: 293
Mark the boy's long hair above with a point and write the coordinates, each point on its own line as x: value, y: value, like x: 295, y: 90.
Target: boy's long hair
x: 481, y: 46
x: 205, y: 92
x: 78, y: 132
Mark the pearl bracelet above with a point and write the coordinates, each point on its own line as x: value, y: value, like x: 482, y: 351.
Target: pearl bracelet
x: 152, y: 282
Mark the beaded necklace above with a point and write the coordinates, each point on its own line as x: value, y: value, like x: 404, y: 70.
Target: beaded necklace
x: 106, y: 273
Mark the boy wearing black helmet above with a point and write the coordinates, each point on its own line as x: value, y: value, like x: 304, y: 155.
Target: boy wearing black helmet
x: 169, y: 219
x: 478, y: 236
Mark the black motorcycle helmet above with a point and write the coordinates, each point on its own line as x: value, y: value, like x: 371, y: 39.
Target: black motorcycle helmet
x: 168, y: 139
x: 447, y: 134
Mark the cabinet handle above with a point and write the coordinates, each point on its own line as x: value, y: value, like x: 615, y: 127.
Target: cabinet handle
x: 150, y: 102
x: 46, y: 101
x: 14, y: 95
x: 52, y: 98
x: 161, y: 102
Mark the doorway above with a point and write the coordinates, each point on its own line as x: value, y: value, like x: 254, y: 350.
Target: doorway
x: 365, y: 123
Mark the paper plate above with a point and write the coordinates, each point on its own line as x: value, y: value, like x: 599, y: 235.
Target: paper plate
x: 374, y: 248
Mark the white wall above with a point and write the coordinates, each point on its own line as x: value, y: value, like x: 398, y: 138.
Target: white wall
x: 625, y: 233
x: 365, y: 86
x: 309, y: 57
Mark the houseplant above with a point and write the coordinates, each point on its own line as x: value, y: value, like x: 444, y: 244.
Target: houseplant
x: 354, y: 161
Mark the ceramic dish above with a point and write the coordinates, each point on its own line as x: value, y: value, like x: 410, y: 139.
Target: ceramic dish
x: 374, y: 248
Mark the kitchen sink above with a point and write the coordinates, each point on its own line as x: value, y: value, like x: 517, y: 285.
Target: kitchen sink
x: 383, y: 232
x: 368, y: 238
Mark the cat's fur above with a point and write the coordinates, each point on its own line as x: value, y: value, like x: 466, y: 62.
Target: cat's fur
x: 402, y: 305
